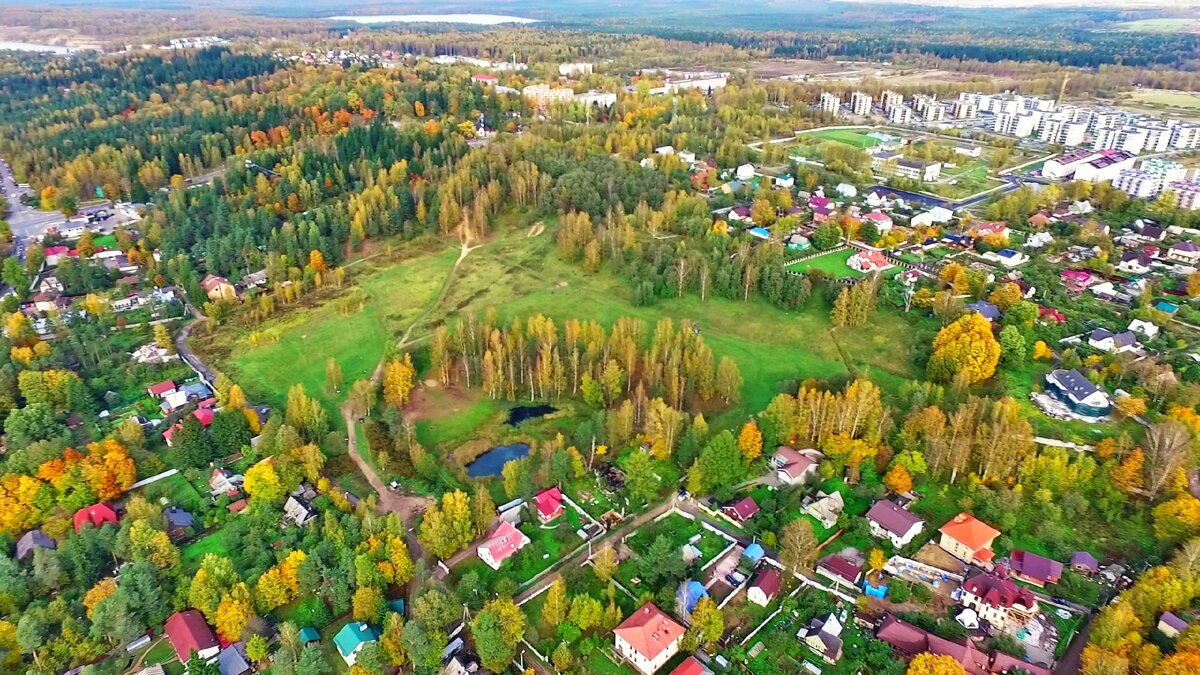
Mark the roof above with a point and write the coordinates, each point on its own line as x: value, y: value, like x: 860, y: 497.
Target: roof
x: 744, y: 508
x: 792, y: 462
x: 754, y: 552
x: 888, y: 515
x: 842, y: 568
x: 970, y: 532
x: 768, y: 581
x: 986, y: 309
x: 231, y: 660
x: 505, y: 541
x: 1035, y: 566
x: 188, y: 632
x: 690, y: 666
x: 878, y: 217
x: 96, y: 514
x: 1074, y: 383
x: 998, y: 591
x: 177, y: 517
x: 352, y: 635
x: 211, y: 281
x: 309, y: 634
x: 649, y: 631
x: 1186, y: 246
x: 902, y: 636
x: 1003, y: 663
x: 161, y: 388
x: 1173, y: 621
x: 874, y: 258
x: 1085, y: 560
x: 33, y: 539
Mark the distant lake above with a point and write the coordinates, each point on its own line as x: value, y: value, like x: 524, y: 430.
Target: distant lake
x: 31, y: 47
x: 476, y: 19
x: 492, y: 462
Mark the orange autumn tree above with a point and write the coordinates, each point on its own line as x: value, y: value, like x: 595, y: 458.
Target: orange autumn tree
x: 77, y: 479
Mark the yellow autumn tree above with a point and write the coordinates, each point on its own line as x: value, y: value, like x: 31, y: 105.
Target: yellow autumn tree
x: 898, y: 480
x: 398, y: 377
x: 966, y: 346
x: 932, y: 664
x: 1042, y: 352
x: 750, y: 441
x: 1128, y: 476
x: 103, y: 588
x: 234, y: 612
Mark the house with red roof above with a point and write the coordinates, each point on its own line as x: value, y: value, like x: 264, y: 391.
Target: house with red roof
x: 549, y: 504
x: 96, y: 514
x: 985, y: 228
x: 503, y: 544
x: 840, y: 570
x: 741, y: 510
x: 204, y: 415
x: 765, y: 586
x: 969, y: 539
x: 188, y: 632
x: 908, y: 640
x: 882, y: 221
x: 218, y: 288
x: 648, y: 639
x: 691, y: 666
x: 1077, y: 281
x: 888, y: 520
x: 868, y: 261
x: 484, y: 78
x: 822, y: 208
x: 999, y: 601
x: 162, y: 389
x: 794, y: 466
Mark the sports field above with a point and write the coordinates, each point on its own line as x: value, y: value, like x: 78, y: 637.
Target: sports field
x: 857, y: 139
x: 1166, y: 98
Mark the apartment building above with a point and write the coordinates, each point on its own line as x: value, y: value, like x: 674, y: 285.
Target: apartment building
x: 891, y: 99
x: 901, y: 115
x: 1158, y: 138
x: 1138, y: 184
x: 1185, y: 136
x: 860, y: 103
x: 1127, y: 139
x: 965, y: 110
x: 1168, y: 171
x: 1021, y: 125
x: 830, y: 103
x: 1187, y: 194
x: 929, y: 108
x: 543, y: 95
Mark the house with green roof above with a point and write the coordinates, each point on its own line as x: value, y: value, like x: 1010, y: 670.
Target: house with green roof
x: 351, y: 638
x: 309, y: 634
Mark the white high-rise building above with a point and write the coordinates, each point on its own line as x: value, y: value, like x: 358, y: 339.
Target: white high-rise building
x: 830, y: 103
x: 1138, y: 184
x: 860, y: 103
x: 1021, y: 125
x: 1168, y: 171
x: 1188, y: 195
x: 1158, y: 137
x: 1185, y: 136
x: 902, y: 115
x: 891, y: 99
x: 965, y: 110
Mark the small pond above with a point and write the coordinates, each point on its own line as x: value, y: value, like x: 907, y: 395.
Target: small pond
x: 524, y: 413
x: 492, y: 462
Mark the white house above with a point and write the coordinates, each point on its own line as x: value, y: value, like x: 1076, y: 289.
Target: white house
x: 999, y: 601
x: 664, y: 150
x: 889, y: 521
x: 687, y: 157
x: 648, y: 639
x: 1144, y: 327
x: 823, y: 636
x: 1113, y: 343
x: 504, y: 543
x: 846, y: 190
x: 795, y: 467
x: 765, y: 586
x: 745, y: 172
x: 882, y: 221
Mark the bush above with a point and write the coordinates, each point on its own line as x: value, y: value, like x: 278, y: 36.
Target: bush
x: 899, y: 591
x: 922, y: 593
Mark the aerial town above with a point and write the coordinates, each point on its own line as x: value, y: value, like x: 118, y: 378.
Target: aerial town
x: 585, y: 341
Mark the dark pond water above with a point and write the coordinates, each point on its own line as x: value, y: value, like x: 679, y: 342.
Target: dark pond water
x: 524, y: 413
x: 491, y: 463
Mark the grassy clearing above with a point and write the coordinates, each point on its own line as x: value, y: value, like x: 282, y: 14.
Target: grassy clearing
x: 857, y: 139
x: 1166, y: 98
x: 1161, y: 26
x: 191, y: 554
x: 520, y: 276
x: 832, y: 264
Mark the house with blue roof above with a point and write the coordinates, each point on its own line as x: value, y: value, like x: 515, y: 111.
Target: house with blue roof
x: 1078, y: 393
x: 309, y: 634
x: 690, y: 593
x: 753, y: 553
x: 986, y: 309
x: 351, y: 638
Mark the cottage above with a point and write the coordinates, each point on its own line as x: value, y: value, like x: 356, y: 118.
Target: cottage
x: 503, y: 544
x: 908, y: 641
x: 548, y: 504
x: 179, y: 522
x: 162, y: 389
x: 1076, y: 281
x: 1185, y: 252
x: 742, y: 510
x: 765, y: 586
x: 889, y: 521
x: 822, y: 208
x: 988, y: 228
x: 882, y: 221
x: 985, y: 309
x: 1085, y: 563
x: 218, y: 288
x: 740, y: 214
x: 1147, y: 329
x: 31, y: 540
x: 968, y: 539
x: 840, y: 570
x: 297, y: 511
x: 868, y: 261
x: 351, y: 639
x: 1035, y: 569
x: 823, y: 636
x: 826, y: 508
x: 1007, y: 257
x: 1113, y: 343
x: 224, y: 482
x: 744, y: 172
x: 188, y: 632
x: 999, y: 601
x: 648, y: 639
x: 1171, y: 625
x: 97, y: 514
x: 691, y: 666
x: 232, y: 660
x: 1135, y: 262
x: 794, y: 467
x: 1078, y: 393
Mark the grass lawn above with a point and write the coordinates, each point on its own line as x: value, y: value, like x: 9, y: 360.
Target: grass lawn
x: 832, y: 264
x: 161, y: 652
x: 598, y: 662
x: 329, y: 649
x: 105, y: 241
x: 452, y: 420
x: 1165, y: 97
x: 191, y: 554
